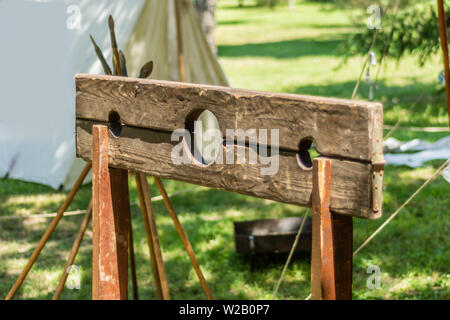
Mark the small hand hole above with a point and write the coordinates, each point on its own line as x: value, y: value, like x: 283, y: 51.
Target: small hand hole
x: 206, y: 138
x: 306, y: 153
x: 115, y: 126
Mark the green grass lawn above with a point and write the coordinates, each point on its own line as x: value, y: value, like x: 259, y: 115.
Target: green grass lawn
x: 282, y: 51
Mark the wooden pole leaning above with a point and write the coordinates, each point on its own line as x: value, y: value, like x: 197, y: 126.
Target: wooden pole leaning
x: 159, y: 273
x: 132, y: 262
x: 332, y: 241
x: 184, y: 238
x: 149, y: 239
x: 73, y: 252
x: 110, y: 223
x: 49, y: 232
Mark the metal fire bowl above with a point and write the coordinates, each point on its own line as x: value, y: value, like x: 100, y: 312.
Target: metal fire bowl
x: 271, y: 236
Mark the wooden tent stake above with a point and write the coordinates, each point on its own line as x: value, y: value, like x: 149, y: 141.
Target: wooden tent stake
x: 332, y: 241
x: 73, y: 252
x: 184, y: 238
x: 110, y: 223
x: 49, y: 232
x: 152, y: 237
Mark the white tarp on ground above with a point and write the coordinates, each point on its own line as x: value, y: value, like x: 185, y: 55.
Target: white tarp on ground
x: 428, y: 151
x: 446, y: 173
x: 42, y: 49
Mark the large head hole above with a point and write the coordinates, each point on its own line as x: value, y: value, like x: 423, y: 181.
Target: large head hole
x: 306, y: 153
x: 115, y: 126
x: 205, y: 136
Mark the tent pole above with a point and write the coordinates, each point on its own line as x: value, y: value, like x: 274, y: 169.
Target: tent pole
x: 184, y: 238
x: 132, y: 262
x: 181, y: 64
x: 49, y: 232
x: 73, y: 252
x: 444, y: 46
x: 159, y: 273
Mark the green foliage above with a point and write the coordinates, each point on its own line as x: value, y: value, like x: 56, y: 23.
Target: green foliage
x: 413, y: 30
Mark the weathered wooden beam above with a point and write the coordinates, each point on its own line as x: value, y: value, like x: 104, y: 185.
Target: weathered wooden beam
x: 149, y: 151
x: 340, y: 128
x: 110, y: 223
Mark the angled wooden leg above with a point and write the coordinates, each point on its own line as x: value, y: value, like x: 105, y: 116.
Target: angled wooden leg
x: 133, y: 262
x: 110, y: 223
x: 331, y: 262
x: 152, y: 237
x: 73, y: 252
x: 149, y: 238
x: 184, y: 238
x: 48, y: 232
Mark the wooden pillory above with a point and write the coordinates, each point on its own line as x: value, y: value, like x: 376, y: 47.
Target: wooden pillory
x: 125, y: 125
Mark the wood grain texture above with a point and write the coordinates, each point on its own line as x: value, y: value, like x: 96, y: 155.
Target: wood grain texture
x: 322, y: 255
x: 110, y: 223
x: 149, y: 152
x: 340, y: 128
x: 343, y: 255
x: 332, y: 241
x: 121, y: 210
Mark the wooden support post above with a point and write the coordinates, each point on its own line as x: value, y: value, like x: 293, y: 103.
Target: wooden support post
x: 73, y: 252
x: 110, y: 223
x: 331, y: 261
x: 159, y: 272
x: 343, y: 255
x: 48, y: 232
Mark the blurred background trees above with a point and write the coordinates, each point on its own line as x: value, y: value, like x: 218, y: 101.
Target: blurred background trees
x: 413, y: 29
x: 206, y: 12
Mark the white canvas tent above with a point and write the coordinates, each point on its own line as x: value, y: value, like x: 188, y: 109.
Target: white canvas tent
x: 44, y: 46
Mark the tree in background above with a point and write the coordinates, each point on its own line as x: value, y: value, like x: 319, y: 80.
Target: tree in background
x: 206, y: 12
x: 414, y: 29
